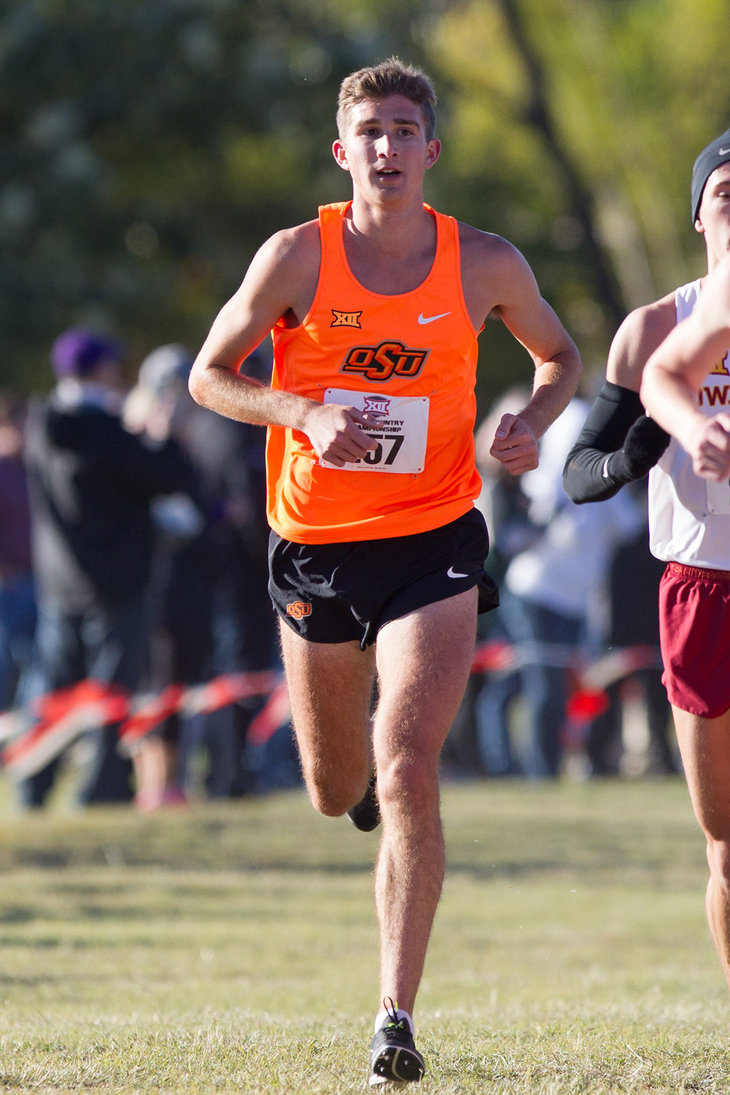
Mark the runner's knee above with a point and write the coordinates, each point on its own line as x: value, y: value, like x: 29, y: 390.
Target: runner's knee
x: 411, y: 779
x: 333, y: 798
x: 718, y: 857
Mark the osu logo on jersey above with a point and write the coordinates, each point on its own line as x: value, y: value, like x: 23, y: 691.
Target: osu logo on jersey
x: 385, y: 360
x: 297, y: 609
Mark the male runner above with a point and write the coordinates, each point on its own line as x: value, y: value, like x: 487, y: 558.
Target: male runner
x: 377, y: 550
x: 687, y: 391
x: 685, y: 387
x: 619, y: 443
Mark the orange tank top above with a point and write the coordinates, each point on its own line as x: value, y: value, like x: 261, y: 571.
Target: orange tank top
x: 411, y: 356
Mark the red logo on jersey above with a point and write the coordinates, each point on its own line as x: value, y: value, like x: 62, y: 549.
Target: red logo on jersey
x: 385, y: 360
x: 716, y: 395
x: 721, y: 368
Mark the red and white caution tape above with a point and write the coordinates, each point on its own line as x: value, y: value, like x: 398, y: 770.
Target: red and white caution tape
x: 148, y: 712
x: 53, y: 722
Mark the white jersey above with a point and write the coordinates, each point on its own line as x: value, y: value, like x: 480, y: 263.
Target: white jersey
x: 689, y: 517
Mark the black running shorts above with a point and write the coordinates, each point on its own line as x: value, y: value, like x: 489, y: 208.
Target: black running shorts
x: 336, y: 593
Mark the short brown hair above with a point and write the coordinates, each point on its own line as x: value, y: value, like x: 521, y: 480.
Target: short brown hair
x: 390, y: 77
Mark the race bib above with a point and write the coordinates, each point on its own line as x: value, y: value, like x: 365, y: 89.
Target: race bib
x: 401, y: 432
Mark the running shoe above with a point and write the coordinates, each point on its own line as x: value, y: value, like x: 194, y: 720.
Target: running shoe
x: 393, y: 1054
x: 365, y: 816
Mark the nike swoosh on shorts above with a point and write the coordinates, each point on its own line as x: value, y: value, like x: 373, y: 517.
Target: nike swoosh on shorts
x: 451, y: 573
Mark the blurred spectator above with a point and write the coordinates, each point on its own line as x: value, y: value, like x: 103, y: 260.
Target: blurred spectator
x: 551, y: 602
x: 182, y: 581
x: 506, y: 510
x: 91, y: 485
x: 502, y: 500
x: 633, y: 619
x: 229, y: 456
x: 17, y: 587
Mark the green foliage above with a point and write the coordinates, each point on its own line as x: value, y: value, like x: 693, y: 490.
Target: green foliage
x: 149, y: 149
x: 584, y: 119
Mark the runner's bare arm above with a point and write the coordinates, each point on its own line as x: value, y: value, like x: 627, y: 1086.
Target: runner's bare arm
x: 280, y: 282
x: 514, y: 296
x: 618, y: 444
x: 677, y: 368
x: 641, y: 332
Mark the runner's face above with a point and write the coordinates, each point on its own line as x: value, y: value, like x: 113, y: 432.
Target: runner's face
x: 714, y: 215
x: 385, y: 148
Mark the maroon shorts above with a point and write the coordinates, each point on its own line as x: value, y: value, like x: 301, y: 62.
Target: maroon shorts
x: 694, y: 628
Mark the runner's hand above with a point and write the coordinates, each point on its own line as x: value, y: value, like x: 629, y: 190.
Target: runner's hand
x: 514, y: 445
x: 709, y: 446
x: 335, y: 433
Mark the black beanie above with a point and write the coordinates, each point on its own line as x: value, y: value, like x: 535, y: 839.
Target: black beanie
x: 709, y: 158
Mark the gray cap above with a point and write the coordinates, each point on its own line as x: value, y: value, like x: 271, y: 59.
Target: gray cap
x: 710, y: 158
x: 165, y: 366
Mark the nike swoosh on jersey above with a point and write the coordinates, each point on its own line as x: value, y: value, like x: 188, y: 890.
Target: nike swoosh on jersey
x: 431, y: 319
x: 451, y: 573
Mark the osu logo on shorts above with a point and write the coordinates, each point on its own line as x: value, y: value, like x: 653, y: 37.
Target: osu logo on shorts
x: 297, y: 609
x: 383, y: 361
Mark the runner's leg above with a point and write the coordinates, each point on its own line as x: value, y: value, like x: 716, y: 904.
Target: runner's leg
x: 330, y: 691
x: 704, y: 745
x: 424, y: 660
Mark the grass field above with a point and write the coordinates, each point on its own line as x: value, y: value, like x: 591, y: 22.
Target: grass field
x: 232, y: 948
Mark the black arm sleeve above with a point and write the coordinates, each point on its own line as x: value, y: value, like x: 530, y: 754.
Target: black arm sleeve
x: 617, y: 445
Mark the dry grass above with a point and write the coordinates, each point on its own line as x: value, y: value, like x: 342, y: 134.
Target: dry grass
x: 232, y: 948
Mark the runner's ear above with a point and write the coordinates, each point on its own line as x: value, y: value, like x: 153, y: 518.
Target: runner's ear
x: 340, y: 154
x: 433, y: 151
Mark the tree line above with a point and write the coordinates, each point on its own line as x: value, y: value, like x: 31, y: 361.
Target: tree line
x: 147, y: 150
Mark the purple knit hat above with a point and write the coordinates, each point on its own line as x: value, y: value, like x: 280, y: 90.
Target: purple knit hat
x: 77, y: 352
